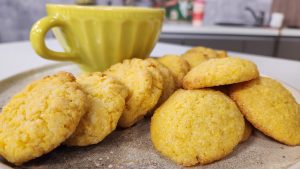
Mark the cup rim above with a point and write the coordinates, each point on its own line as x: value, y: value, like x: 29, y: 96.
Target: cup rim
x: 106, y: 8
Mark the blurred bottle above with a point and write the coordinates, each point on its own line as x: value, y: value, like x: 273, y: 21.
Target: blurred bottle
x: 198, y: 12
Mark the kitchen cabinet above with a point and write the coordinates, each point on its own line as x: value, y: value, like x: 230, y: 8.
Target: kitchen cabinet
x: 289, y: 47
x: 261, y: 45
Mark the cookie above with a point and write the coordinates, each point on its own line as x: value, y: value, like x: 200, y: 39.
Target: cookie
x: 157, y: 87
x: 168, y: 81
x: 196, y: 126
x: 194, y: 58
x: 216, y: 72
x: 207, y: 52
x: 177, y: 65
x: 221, y: 54
x: 270, y: 108
x: 247, y: 131
x: 106, y: 103
x: 40, y: 117
x: 144, y: 85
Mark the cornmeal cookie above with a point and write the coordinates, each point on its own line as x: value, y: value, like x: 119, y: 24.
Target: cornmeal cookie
x: 157, y: 87
x: 41, y: 117
x: 270, y: 108
x: 194, y: 58
x: 247, y: 132
x: 196, y: 126
x: 168, y: 81
x: 216, y: 72
x: 145, y: 86
x: 106, y: 103
x: 221, y: 54
x: 177, y: 65
x: 208, y: 52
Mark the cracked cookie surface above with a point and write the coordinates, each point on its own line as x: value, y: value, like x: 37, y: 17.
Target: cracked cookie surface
x: 178, y: 66
x: 106, y: 103
x: 217, y: 72
x: 168, y: 81
x: 139, y: 80
x: 196, y: 126
x: 270, y: 108
x: 40, y: 117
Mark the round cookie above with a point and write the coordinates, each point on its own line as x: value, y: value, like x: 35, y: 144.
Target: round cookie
x: 221, y: 54
x: 216, y: 72
x: 40, y: 117
x: 270, y: 108
x: 177, y: 65
x: 207, y: 52
x: 196, y: 126
x: 144, y: 85
x: 168, y: 81
x: 247, y: 132
x: 157, y: 87
x: 194, y: 58
x: 106, y: 103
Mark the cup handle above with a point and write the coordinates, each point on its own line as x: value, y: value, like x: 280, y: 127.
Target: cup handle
x: 37, y: 39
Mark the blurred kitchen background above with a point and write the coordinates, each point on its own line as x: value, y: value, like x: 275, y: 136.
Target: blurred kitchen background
x: 264, y: 27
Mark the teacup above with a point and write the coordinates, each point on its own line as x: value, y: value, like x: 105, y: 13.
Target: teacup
x: 96, y: 37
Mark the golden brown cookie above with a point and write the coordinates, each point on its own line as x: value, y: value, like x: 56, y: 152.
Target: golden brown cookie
x: 157, y: 87
x: 106, y: 103
x: 168, y: 81
x: 196, y: 126
x: 194, y: 58
x: 247, y: 132
x: 177, y: 65
x: 207, y: 52
x: 144, y: 84
x: 270, y: 108
x: 40, y: 117
x: 216, y: 72
x: 221, y: 54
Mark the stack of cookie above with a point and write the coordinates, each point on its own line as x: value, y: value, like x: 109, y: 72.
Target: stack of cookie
x: 62, y: 109
x: 193, y: 122
x: 204, y: 122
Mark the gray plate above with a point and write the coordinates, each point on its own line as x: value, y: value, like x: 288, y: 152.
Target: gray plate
x: 132, y: 148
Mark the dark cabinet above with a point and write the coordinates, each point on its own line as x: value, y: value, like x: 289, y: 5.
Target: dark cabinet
x: 247, y: 44
x: 289, y: 48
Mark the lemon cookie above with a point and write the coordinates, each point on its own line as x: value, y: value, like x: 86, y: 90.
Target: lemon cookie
x: 106, y: 103
x: 41, y: 117
x: 194, y: 58
x: 208, y: 52
x: 247, y: 131
x: 138, y: 76
x: 196, y: 126
x: 270, y: 108
x: 177, y: 65
x: 216, y: 72
x: 168, y: 81
x: 221, y: 54
x: 157, y: 85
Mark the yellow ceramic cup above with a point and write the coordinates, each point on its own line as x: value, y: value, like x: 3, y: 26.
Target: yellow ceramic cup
x: 97, y: 37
